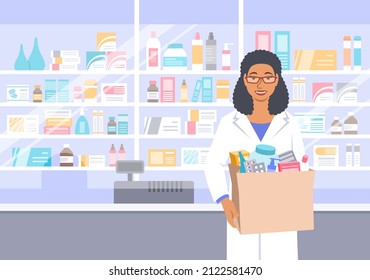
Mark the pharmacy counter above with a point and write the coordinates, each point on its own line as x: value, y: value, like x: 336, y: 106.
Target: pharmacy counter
x: 161, y: 231
x: 112, y: 231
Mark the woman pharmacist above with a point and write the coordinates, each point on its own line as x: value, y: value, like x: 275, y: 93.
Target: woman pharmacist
x: 260, y: 99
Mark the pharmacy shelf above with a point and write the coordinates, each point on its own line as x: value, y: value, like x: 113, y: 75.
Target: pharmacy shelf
x: 78, y: 72
x: 69, y: 136
x: 181, y: 136
x: 330, y: 136
x: 342, y: 168
x: 174, y: 168
x: 65, y: 104
x: 190, y: 72
x: 311, y: 104
x: 56, y: 168
x: 326, y: 72
x: 186, y: 104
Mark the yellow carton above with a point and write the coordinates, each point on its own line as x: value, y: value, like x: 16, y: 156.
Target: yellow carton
x: 315, y: 60
x: 234, y: 157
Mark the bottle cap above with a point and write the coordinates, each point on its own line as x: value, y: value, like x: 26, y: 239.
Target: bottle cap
x: 153, y: 34
x: 65, y: 145
x: 197, y: 36
x: 265, y: 149
x: 336, y: 118
x: 37, y: 86
x: 152, y: 82
x: 351, y: 114
x: 210, y: 36
x: 305, y: 158
x: 175, y: 46
x: 111, y: 118
x: 183, y: 82
x: 112, y: 147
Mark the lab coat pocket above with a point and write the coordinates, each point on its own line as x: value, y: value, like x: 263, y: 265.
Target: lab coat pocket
x: 273, y: 202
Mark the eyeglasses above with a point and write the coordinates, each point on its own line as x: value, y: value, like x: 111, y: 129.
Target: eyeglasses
x: 256, y: 80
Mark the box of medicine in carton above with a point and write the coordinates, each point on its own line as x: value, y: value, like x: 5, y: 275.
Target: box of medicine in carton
x: 234, y: 157
x: 273, y: 202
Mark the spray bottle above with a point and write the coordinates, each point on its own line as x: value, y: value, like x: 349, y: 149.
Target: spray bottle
x: 226, y: 57
x: 82, y: 126
x: 211, y: 52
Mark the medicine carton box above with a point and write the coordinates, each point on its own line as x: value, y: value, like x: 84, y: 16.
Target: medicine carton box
x: 273, y: 202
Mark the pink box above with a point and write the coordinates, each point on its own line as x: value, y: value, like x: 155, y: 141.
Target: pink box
x: 167, y: 89
x: 191, y: 127
x: 289, y: 166
x: 57, y: 130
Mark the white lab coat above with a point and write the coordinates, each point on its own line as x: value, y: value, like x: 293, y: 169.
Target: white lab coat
x: 235, y: 133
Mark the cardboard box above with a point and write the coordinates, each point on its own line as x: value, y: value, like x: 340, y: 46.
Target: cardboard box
x: 273, y: 202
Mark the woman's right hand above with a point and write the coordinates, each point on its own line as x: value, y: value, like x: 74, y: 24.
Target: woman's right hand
x: 230, y: 211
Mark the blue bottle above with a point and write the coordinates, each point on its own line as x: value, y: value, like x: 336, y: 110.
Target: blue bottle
x: 242, y: 163
x: 357, y: 53
x: 21, y: 63
x: 82, y: 126
x: 35, y: 60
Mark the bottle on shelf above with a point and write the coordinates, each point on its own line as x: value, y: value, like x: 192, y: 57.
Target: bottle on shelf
x: 184, y: 92
x: 21, y: 62
x: 112, y: 126
x: 211, y: 52
x: 66, y: 156
x: 226, y: 57
x: 95, y: 122
x: 348, y: 155
x: 37, y: 94
x: 152, y: 92
x: 36, y: 61
x: 336, y: 126
x: 197, y: 53
x: 112, y: 156
x: 82, y: 125
x: 153, y: 52
x: 175, y: 58
x: 100, y: 121
x: 347, y: 52
x: 122, y: 126
x: 356, y: 155
x: 357, y: 53
x: 350, y: 124
x: 121, y: 153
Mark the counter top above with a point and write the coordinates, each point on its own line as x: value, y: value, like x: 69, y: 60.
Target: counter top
x: 156, y: 207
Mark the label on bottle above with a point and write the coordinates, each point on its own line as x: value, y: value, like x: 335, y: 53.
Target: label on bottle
x: 174, y: 61
x: 336, y: 129
x: 66, y: 159
x: 350, y: 128
x: 153, y: 57
x: 111, y: 129
x: 152, y: 95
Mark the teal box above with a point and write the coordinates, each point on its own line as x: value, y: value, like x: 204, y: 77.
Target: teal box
x: 31, y: 156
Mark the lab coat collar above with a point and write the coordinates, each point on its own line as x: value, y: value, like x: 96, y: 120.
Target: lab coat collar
x: 278, y: 123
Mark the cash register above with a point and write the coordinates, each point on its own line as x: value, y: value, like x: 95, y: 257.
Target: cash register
x: 166, y: 191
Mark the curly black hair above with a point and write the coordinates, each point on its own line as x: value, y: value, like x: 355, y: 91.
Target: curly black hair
x: 243, y: 101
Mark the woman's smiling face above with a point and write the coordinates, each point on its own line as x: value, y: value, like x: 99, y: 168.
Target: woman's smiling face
x: 261, y: 81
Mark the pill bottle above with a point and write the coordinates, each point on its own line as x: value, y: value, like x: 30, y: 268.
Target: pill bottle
x: 263, y: 153
x: 350, y: 124
x: 112, y: 126
x: 37, y: 94
x: 66, y: 156
x: 152, y: 92
x: 336, y: 126
x: 175, y: 58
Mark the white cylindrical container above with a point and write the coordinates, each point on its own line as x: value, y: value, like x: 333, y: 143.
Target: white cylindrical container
x: 95, y: 122
x: 356, y: 155
x: 295, y: 89
x: 348, y: 155
x: 174, y: 58
x: 347, y: 53
x: 302, y: 89
x: 100, y: 122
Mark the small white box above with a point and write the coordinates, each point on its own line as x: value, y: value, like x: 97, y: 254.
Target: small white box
x: 18, y: 93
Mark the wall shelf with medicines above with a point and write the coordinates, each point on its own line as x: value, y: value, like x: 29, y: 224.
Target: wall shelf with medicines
x: 312, y: 104
x: 325, y: 72
x: 190, y: 72
x: 69, y: 136
x: 341, y: 168
x: 65, y: 104
x: 186, y: 104
x: 56, y: 168
x: 331, y: 136
x: 53, y: 72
